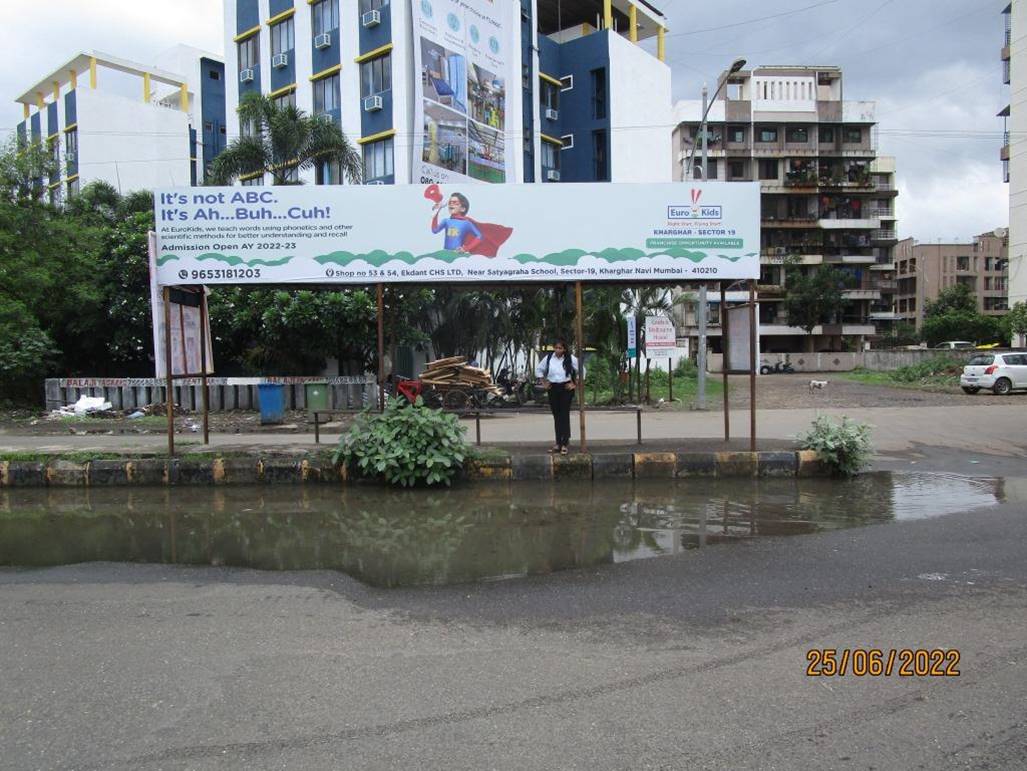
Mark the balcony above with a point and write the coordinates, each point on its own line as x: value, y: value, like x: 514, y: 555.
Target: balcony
x: 807, y: 221
x: 861, y: 294
x: 881, y: 212
x: 832, y: 223
x: 885, y: 316
x: 799, y: 255
x: 1004, y: 152
x: 886, y: 285
x: 884, y: 236
x: 850, y: 259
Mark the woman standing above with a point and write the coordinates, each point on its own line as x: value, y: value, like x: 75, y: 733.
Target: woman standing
x: 559, y: 373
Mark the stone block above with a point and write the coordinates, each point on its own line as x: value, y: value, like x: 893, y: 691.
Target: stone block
x: 655, y: 465
x: 613, y: 465
x: 531, y: 467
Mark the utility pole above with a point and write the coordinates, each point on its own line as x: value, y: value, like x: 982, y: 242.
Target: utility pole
x: 701, y: 353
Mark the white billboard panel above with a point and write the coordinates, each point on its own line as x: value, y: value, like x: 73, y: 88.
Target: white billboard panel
x: 466, y: 233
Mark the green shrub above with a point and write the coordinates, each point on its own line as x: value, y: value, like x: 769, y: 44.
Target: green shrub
x: 845, y: 446
x: 937, y: 366
x: 405, y: 445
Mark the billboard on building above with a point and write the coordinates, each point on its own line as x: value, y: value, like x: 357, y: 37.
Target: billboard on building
x: 465, y: 60
x: 458, y: 233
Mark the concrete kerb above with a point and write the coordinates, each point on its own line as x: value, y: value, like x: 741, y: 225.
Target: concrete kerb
x: 320, y: 470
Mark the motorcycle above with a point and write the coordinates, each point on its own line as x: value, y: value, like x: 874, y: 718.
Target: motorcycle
x: 780, y: 368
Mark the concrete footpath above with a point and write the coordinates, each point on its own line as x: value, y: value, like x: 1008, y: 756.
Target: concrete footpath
x: 994, y: 429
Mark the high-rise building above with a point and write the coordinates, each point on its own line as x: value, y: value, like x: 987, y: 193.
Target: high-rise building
x: 136, y: 126
x: 827, y: 198
x: 593, y: 103
x: 1013, y: 153
x: 924, y: 270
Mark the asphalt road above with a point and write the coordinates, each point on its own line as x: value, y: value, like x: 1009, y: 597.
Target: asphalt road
x: 692, y: 661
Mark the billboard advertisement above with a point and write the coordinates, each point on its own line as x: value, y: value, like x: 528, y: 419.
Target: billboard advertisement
x: 464, y: 55
x: 458, y: 233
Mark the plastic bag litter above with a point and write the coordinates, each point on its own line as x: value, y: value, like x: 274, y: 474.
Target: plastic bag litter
x: 87, y: 405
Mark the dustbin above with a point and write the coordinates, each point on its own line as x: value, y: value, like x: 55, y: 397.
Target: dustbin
x: 317, y: 397
x: 272, y: 402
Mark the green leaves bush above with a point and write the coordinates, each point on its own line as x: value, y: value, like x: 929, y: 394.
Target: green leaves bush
x: 845, y: 447
x: 405, y: 445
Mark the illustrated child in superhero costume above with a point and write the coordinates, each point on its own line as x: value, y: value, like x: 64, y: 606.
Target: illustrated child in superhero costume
x: 462, y: 234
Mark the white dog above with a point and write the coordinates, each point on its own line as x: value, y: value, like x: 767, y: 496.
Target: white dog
x: 817, y: 385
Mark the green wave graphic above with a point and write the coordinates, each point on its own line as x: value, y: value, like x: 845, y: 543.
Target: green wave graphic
x: 565, y: 258
x: 230, y: 259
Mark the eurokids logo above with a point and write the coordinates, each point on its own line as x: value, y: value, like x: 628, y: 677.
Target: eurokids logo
x: 697, y: 211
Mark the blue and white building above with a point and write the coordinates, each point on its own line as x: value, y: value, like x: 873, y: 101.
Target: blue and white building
x: 137, y: 126
x: 596, y: 99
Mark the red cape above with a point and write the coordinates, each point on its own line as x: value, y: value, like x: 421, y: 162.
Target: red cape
x: 492, y: 237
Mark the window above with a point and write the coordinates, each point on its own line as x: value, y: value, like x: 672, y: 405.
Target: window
x: 73, y: 187
x: 550, y: 156
x: 711, y: 169
x: 768, y: 169
x: 372, y: 5
x: 568, y: 141
x: 599, y: 94
x: 249, y: 53
x: 550, y: 96
x: 252, y: 181
x: 71, y: 146
x: 853, y: 135
x: 599, y: 170
x: 325, y: 15
x: 736, y: 135
x: 214, y: 75
x: 827, y: 135
x: 798, y: 134
x: 378, y: 159
x: 566, y: 82
x: 326, y: 94
x: 283, y: 37
x: 286, y: 100
x: 767, y: 134
x: 292, y: 174
x: 962, y: 263
x: 735, y: 170
x: 376, y: 75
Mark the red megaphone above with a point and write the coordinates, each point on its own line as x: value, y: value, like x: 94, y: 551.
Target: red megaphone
x: 433, y: 194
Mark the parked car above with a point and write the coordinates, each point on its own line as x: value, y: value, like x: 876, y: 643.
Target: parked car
x: 954, y: 345
x: 1001, y: 372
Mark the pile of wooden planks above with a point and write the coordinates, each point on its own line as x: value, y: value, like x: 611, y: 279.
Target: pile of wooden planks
x: 454, y: 372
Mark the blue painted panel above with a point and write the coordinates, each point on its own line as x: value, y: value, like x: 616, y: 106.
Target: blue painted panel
x: 247, y: 15
x: 193, y: 153
x: 284, y: 76
x: 36, y: 125
x: 70, y: 108
x: 578, y: 58
x: 22, y: 134
x: 279, y: 6
x: 212, y: 110
x: 379, y: 120
x: 323, y: 58
x: 253, y: 87
x: 377, y: 36
x: 52, y: 123
x: 528, y: 91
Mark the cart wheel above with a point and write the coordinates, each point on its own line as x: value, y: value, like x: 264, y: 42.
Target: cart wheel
x: 432, y: 399
x: 455, y: 400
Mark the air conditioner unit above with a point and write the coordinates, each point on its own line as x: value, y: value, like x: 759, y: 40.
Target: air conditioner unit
x: 323, y: 40
x: 372, y: 103
x: 375, y: 182
x: 246, y: 76
x: 552, y: 114
x: 371, y: 18
x: 69, y: 156
x: 553, y: 175
x: 280, y: 60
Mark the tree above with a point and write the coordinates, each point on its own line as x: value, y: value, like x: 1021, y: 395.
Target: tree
x: 26, y: 168
x: 961, y: 325
x: 815, y: 297
x: 958, y: 298
x: 1017, y: 319
x: 284, y: 140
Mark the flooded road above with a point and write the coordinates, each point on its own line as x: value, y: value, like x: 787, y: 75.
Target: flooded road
x: 392, y: 538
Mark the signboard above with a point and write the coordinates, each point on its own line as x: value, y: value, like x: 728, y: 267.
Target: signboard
x: 464, y: 57
x: 739, y: 325
x: 467, y: 233
x: 660, y: 337
x: 632, y: 337
x: 185, y: 326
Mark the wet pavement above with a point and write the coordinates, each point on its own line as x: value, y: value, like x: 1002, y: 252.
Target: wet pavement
x: 492, y: 532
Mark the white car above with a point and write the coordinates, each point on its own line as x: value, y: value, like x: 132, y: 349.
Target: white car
x: 1001, y: 372
x: 954, y: 345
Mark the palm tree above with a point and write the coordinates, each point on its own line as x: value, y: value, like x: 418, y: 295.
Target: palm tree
x: 285, y: 140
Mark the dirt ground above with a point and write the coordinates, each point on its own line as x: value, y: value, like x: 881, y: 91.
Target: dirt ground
x: 772, y: 392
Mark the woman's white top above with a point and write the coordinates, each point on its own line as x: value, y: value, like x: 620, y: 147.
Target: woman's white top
x: 555, y: 372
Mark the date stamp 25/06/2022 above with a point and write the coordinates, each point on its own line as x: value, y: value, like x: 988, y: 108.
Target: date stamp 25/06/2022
x: 881, y: 662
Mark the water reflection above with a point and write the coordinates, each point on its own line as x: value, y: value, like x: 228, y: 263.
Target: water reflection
x: 481, y: 532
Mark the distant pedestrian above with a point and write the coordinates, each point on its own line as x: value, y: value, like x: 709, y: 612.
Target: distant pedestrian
x: 559, y: 373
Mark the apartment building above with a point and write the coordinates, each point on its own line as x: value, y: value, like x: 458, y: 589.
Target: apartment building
x: 592, y: 103
x: 1014, y: 149
x: 137, y: 126
x: 827, y: 198
x: 923, y: 270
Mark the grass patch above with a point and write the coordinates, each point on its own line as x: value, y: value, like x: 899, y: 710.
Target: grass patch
x: 46, y: 457
x: 487, y: 454
x: 940, y: 373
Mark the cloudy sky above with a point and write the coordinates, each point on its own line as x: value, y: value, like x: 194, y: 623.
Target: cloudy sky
x: 932, y: 66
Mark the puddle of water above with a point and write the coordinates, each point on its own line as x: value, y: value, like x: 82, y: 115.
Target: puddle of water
x: 481, y: 532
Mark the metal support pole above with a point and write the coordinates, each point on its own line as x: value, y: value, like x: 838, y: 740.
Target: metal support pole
x: 752, y: 365
x: 638, y: 423
x: 701, y: 353
x: 580, y: 325
x: 381, y: 347
x: 205, y: 398
x: 477, y: 428
x: 670, y: 380
x: 703, y: 128
x: 724, y: 359
x: 169, y: 395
